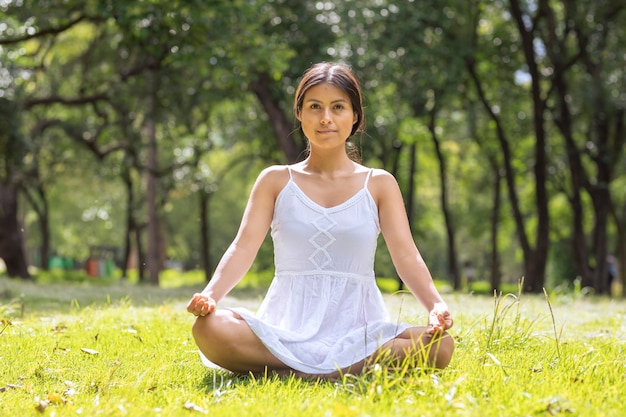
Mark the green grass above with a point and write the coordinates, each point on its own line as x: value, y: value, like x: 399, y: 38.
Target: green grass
x: 119, y: 349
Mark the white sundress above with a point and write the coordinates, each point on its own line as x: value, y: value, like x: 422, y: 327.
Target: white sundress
x: 323, y: 310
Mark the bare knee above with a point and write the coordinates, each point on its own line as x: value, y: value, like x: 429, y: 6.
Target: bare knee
x: 212, y: 335
x: 434, y: 350
x: 423, y: 348
x: 202, y: 326
x: 443, y: 346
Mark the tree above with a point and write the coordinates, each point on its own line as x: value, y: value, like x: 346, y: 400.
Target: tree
x: 12, y: 149
x: 569, y: 50
x: 535, y: 258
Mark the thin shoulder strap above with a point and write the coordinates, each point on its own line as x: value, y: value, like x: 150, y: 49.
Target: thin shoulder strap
x: 367, y: 179
x: 289, y: 170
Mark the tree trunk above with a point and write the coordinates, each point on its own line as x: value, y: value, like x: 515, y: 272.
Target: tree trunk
x: 44, y: 230
x: 536, y: 263
x: 141, y: 256
x: 397, y: 150
x: 11, y: 154
x: 450, y: 230
x: 11, y: 245
x: 578, y: 178
x: 607, y: 130
x: 605, y: 160
x: 495, y: 220
x: 44, y: 227
x: 601, y: 203
x: 153, y: 258
x: 621, y: 260
x: 205, y: 226
x: 621, y: 263
x: 40, y: 205
x: 283, y: 129
x: 130, y: 221
x: 620, y: 250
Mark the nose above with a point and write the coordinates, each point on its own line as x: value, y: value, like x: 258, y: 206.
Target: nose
x: 326, y: 119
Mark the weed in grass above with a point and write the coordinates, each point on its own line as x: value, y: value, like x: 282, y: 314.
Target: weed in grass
x: 556, y: 334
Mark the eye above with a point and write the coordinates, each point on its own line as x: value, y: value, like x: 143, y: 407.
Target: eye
x: 339, y: 107
x: 315, y: 106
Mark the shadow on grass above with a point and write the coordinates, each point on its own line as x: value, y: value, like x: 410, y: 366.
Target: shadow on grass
x: 218, y: 382
x: 28, y: 297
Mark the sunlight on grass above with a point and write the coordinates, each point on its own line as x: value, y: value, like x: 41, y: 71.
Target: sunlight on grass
x: 126, y: 350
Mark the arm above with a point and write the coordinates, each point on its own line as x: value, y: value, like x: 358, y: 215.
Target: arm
x: 405, y: 256
x: 241, y: 253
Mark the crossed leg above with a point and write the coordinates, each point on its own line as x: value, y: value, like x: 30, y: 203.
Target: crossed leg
x: 225, y: 339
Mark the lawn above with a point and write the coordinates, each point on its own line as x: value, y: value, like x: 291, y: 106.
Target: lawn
x: 120, y: 349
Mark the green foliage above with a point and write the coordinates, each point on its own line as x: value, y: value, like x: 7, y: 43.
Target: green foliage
x: 79, y: 78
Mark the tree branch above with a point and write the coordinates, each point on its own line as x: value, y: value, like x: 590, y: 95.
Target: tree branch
x: 72, y: 101
x: 50, y: 30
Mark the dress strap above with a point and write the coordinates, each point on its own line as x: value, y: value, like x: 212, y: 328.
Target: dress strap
x: 367, y: 179
x: 289, y: 170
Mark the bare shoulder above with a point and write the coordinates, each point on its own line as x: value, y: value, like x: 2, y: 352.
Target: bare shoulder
x: 383, y: 186
x: 273, y: 178
x: 382, y: 179
x: 381, y: 175
x: 275, y: 172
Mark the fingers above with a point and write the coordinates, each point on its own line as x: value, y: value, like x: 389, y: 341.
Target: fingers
x: 191, y: 305
x: 439, y: 320
x: 201, y: 305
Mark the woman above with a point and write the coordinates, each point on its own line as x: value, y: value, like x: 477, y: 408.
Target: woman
x: 323, y: 315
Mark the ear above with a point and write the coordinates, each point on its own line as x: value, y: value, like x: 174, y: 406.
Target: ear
x: 355, y: 118
x: 299, y: 114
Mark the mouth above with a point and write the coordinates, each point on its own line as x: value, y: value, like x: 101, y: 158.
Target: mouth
x: 326, y: 131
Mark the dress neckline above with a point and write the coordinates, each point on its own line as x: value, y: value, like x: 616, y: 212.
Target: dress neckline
x: 339, y: 206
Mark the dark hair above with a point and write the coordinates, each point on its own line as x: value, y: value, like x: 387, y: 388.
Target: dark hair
x: 342, y: 77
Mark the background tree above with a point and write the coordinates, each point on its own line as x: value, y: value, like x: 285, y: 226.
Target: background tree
x: 133, y: 117
x: 595, y: 111
x: 12, y: 149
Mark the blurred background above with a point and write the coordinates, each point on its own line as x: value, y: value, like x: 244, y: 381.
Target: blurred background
x: 131, y: 132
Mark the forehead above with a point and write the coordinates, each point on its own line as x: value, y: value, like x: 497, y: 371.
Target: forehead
x: 326, y: 92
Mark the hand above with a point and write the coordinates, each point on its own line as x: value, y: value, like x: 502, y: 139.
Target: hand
x: 439, y: 319
x: 201, y: 305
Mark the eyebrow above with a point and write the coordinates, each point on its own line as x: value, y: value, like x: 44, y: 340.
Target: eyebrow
x: 340, y: 100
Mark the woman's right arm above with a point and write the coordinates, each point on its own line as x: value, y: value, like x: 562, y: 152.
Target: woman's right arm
x: 241, y: 253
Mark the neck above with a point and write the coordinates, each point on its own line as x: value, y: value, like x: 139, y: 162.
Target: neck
x: 331, y: 164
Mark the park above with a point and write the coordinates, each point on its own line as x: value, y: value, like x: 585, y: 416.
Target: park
x: 131, y: 134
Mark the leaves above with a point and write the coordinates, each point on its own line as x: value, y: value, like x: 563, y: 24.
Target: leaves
x: 4, y: 323
x: 90, y: 351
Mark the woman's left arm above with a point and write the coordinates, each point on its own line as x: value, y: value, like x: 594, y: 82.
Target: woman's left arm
x: 406, y: 257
